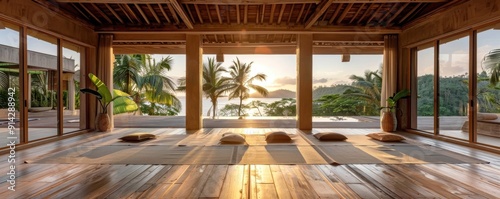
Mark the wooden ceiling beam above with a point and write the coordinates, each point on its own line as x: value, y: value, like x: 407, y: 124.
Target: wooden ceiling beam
x: 339, y: 7
x: 238, y: 14
x: 290, y: 15
x: 348, y: 37
x: 409, y: 13
x: 388, y: 13
x: 300, y: 13
x: 271, y: 17
x: 320, y: 10
x: 142, y: 13
x: 245, y: 29
x: 249, y: 1
x: 164, y: 13
x: 346, y: 10
x: 396, y: 14
x: 209, y: 14
x: 178, y: 9
x: 374, y: 14
x: 245, y: 14
x: 283, y: 6
x: 365, y: 13
x: 152, y: 37
x: 90, y: 13
x: 101, y: 13
x: 357, y: 12
x: 125, y: 12
x: 218, y: 14
x: 174, y: 14
x: 129, y: 10
x: 198, y: 13
x: 262, y: 14
x: 154, y: 13
x: 80, y: 11
x: 114, y: 13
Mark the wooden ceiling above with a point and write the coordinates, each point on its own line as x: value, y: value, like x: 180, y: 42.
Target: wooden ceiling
x: 250, y: 22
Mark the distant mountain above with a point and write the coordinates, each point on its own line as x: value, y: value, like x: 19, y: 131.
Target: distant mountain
x: 336, y: 89
x: 281, y: 93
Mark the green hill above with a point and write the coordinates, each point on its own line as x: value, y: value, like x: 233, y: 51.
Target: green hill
x: 281, y: 93
x: 336, y: 89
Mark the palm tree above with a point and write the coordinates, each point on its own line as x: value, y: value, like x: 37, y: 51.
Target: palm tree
x: 214, y: 84
x: 367, y: 88
x: 147, y: 82
x: 491, y: 62
x: 242, y: 82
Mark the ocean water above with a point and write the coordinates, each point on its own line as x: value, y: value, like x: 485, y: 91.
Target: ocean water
x: 221, y: 102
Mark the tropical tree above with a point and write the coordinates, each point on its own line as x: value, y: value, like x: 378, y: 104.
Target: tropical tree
x: 283, y: 107
x: 242, y: 82
x: 491, y: 63
x: 148, y: 83
x: 367, y: 88
x: 257, y: 104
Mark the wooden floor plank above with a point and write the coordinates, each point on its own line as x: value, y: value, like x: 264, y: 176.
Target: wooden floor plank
x: 297, y: 184
x: 318, y: 182
x: 133, y: 185
x: 214, y: 182
x: 279, y: 182
x: 194, y: 183
x: 233, y: 183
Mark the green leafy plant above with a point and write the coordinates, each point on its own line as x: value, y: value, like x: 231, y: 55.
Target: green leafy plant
x: 122, y: 101
x: 393, y: 100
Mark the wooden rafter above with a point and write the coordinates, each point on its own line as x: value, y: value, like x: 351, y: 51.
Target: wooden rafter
x: 218, y: 13
x: 80, y: 11
x: 300, y: 13
x: 245, y: 14
x: 181, y: 13
x: 190, y: 14
x: 409, y: 13
x: 271, y: 17
x: 283, y: 6
x: 357, y: 12
x: 346, y: 10
x: 396, y: 14
x: 238, y: 14
x: 154, y: 13
x: 90, y: 13
x: 318, y: 12
x: 198, y: 13
x: 374, y: 14
x: 101, y: 13
x: 174, y: 14
x: 142, y: 13
x: 228, y: 18
x: 366, y: 13
x: 388, y: 12
x: 164, y: 13
x: 131, y: 12
x: 337, y: 11
x: 262, y: 13
x: 114, y: 13
x: 125, y: 12
x: 209, y: 14
x: 248, y: 1
x: 290, y: 15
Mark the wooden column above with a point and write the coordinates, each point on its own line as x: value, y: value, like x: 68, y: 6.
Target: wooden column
x: 193, y: 82
x: 60, y: 105
x: 105, y: 59
x: 23, y: 82
x: 304, y: 81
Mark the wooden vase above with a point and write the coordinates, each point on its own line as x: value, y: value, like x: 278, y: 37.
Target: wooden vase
x: 103, y: 123
x: 388, y: 122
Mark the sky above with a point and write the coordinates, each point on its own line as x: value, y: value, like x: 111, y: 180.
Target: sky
x: 281, y: 69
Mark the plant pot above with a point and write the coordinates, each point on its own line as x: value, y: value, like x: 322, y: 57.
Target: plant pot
x: 103, y: 123
x: 388, y: 122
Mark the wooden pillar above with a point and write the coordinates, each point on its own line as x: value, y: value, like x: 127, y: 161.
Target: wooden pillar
x: 88, y: 103
x: 23, y: 82
x: 105, y: 59
x: 193, y: 82
x: 71, y: 93
x: 59, y: 75
x: 29, y: 91
x: 304, y: 81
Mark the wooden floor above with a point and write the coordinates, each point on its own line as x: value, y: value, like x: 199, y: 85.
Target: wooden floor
x: 248, y: 181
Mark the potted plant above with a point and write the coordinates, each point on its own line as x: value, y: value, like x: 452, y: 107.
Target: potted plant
x: 389, y: 120
x: 122, y: 102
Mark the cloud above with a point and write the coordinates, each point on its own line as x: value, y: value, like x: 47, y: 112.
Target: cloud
x: 322, y: 80
x: 285, y: 81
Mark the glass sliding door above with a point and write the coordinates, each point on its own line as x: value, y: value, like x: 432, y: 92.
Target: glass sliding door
x: 43, y: 83
x: 453, y: 87
x: 487, y: 86
x: 425, y: 89
x: 9, y: 84
x: 71, y: 86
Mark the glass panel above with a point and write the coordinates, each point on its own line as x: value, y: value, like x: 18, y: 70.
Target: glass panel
x: 42, y: 66
x: 488, y: 88
x: 71, y: 87
x: 347, y: 92
x: 9, y: 84
x: 454, y: 88
x: 425, y: 89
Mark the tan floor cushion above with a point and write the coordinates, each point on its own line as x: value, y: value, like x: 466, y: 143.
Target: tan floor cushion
x: 135, y: 137
x: 277, y: 137
x: 486, y: 116
x: 386, y: 137
x: 232, y: 138
x: 330, y: 136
